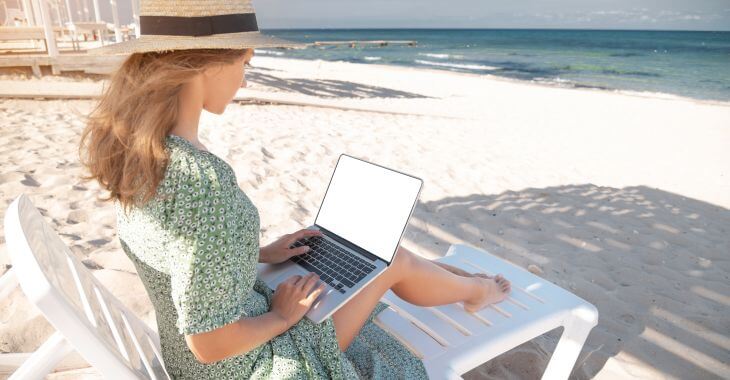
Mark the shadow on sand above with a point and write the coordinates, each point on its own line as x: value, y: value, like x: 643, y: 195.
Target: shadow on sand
x: 328, y: 88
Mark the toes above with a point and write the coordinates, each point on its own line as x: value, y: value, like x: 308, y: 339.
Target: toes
x: 501, y: 279
x: 504, y: 284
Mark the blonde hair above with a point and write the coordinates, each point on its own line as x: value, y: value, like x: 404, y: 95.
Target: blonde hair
x: 123, y: 143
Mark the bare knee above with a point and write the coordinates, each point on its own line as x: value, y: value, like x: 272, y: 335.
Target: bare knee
x: 402, y: 261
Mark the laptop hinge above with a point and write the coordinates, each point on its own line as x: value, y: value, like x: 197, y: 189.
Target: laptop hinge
x: 350, y: 245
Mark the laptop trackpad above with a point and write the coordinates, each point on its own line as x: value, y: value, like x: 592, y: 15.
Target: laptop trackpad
x: 292, y: 270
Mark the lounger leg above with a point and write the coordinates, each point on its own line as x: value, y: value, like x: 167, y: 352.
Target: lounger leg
x: 45, y: 359
x: 568, y: 348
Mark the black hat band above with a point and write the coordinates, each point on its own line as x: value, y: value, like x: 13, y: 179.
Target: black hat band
x: 198, y: 26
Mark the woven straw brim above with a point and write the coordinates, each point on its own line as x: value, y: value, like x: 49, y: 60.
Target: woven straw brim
x: 243, y: 40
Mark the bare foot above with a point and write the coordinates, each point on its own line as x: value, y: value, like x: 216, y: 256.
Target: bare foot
x: 459, y: 271
x: 493, y: 290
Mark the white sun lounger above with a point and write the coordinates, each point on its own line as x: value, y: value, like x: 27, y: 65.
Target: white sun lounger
x: 451, y: 341
x: 89, y: 319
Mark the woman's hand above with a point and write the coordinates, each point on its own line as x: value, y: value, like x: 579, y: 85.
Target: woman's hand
x: 292, y: 298
x: 279, y: 251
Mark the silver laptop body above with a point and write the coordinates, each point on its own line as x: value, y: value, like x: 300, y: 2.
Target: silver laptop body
x: 363, y: 217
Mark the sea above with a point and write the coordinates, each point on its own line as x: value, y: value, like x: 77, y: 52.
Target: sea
x: 683, y: 63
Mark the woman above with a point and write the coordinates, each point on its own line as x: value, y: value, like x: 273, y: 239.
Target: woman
x: 192, y: 233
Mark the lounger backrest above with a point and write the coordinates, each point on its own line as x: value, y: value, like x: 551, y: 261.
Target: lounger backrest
x: 107, y: 334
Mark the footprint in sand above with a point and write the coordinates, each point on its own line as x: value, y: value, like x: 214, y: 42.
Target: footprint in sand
x: 99, y: 242
x: 267, y: 154
x: 76, y: 216
x: 30, y: 181
x: 91, y: 264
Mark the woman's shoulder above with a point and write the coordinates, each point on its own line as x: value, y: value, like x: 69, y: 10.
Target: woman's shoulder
x: 190, y: 166
x: 181, y: 151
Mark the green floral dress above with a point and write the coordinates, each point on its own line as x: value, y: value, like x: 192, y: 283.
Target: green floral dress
x: 195, y: 246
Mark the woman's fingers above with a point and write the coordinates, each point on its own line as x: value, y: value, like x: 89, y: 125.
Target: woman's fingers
x: 315, y: 293
x: 301, y: 234
x: 293, y: 279
x: 310, y: 282
x: 298, y: 250
x: 299, y: 280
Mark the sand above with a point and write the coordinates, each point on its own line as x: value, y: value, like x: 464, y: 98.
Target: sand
x: 620, y: 198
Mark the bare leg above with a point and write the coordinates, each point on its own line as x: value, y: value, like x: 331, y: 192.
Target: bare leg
x: 416, y: 280
x: 430, y: 284
x: 459, y: 271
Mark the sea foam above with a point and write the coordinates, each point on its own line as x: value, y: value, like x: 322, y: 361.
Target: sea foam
x: 457, y: 65
x: 269, y: 52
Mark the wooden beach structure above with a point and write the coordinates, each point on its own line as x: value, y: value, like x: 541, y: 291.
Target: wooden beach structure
x: 56, y: 33
x: 354, y: 43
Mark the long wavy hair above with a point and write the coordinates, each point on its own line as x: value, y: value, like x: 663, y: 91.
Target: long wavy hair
x: 123, y: 143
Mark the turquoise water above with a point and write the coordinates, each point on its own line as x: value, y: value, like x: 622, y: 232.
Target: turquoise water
x: 691, y: 64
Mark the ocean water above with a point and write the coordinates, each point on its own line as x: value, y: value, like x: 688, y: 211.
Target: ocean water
x: 689, y: 64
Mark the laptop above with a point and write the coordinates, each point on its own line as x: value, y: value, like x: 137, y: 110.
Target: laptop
x: 362, y: 218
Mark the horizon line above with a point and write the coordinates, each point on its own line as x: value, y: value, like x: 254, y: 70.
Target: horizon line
x: 488, y: 28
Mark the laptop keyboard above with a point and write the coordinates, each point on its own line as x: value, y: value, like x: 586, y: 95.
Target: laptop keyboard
x: 335, y: 266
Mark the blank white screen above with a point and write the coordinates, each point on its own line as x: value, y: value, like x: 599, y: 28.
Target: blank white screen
x: 368, y: 205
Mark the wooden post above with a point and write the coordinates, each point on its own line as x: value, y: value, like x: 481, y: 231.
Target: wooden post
x: 68, y: 11
x: 37, y: 13
x: 115, y: 16
x: 47, y: 28
x: 74, y: 32
x: 28, y: 12
x: 135, y: 17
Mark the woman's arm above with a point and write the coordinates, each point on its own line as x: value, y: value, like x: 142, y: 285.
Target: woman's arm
x: 236, y: 338
x: 291, y: 300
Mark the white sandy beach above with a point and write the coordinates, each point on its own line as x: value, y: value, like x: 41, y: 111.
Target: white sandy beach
x: 624, y: 199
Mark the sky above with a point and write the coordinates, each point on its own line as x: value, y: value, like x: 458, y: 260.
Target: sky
x: 573, y: 14
x: 582, y: 14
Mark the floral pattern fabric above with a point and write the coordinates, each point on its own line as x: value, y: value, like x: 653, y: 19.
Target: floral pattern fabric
x: 195, y: 246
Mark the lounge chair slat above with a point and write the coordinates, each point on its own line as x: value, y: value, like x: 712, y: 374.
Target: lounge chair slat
x: 443, y: 330
x: 420, y: 343
x: 456, y: 312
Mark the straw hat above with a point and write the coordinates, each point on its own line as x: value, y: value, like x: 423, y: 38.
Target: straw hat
x: 195, y: 24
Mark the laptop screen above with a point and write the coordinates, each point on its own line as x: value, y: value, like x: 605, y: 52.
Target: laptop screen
x: 369, y: 205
